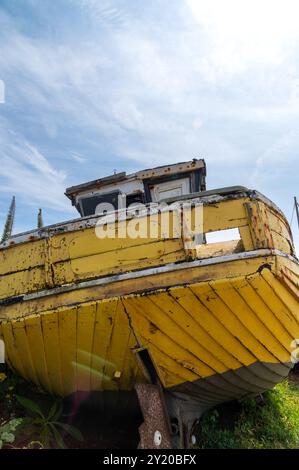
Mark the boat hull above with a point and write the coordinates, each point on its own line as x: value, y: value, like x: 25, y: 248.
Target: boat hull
x: 209, y: 322
x: 213, y: 331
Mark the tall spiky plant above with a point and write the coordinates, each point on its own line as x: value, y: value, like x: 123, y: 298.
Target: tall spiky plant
x: 40, y: 222
x: 9, y: 220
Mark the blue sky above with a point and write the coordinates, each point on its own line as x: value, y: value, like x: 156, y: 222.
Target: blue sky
x: 97, y: 85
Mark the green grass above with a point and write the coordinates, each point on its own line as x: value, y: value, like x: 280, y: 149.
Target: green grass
x: 254, y: 424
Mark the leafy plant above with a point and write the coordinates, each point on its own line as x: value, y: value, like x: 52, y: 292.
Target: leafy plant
x: 7, y: 431
x: 49, y: 428
x: 9, y: 382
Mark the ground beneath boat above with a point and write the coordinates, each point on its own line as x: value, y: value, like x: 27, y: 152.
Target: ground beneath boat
x: 271, y: 421
x: 294, y: 376
x: 110, y: 433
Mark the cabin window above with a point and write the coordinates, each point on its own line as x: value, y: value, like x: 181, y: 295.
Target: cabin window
x: 167, y: 189
x: 89, y: 204
x: 135, y: 198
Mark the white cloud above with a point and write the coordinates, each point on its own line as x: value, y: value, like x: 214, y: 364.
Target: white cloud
x: 127, y: 114
x: 221, y: 81
x: 244, y: 34
x: 105, y: 12
x: 25, y: 171
x: 78, y: 157
x: 2, y: 92
x: 271, y: 164
x: 197, y: 123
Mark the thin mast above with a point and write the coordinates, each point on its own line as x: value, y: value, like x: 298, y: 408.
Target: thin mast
x: 297, y: 210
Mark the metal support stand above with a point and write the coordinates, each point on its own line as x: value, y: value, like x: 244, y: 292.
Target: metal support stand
x: 155, y: 431
x: 168, y: 421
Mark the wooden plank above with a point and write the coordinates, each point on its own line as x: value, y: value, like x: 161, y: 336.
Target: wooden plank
x: 268, y: 349
x: 171, y: 339
x: 246, y: 238
x: 85, y: 330
x: 196, y: 300
x: 50, y: 328
x: 22, y: 257
x: 120, y: 353
x: 104, y: 322
x: 67, y: 318
x: 215, y: 354
x: 22, y: 282
x: 37, y: 351
x: 169, y: 359
x: 285, y: 296
x: 224, y: 215
x: 155, y: 253
x: 21, y: 341
x: 11, y: 349
x: 259, y: 305
x: 276, y: 305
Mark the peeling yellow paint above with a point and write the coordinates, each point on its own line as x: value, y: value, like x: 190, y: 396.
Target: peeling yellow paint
x: 195, y: 319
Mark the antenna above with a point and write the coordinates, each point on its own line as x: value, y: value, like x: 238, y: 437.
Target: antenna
x: 9, y: 220
x: 297, y: 209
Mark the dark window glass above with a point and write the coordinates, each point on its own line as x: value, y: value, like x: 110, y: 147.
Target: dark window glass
x: 89, y: 204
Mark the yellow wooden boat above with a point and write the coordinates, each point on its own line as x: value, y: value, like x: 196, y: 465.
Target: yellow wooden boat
x: 187, y: 323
